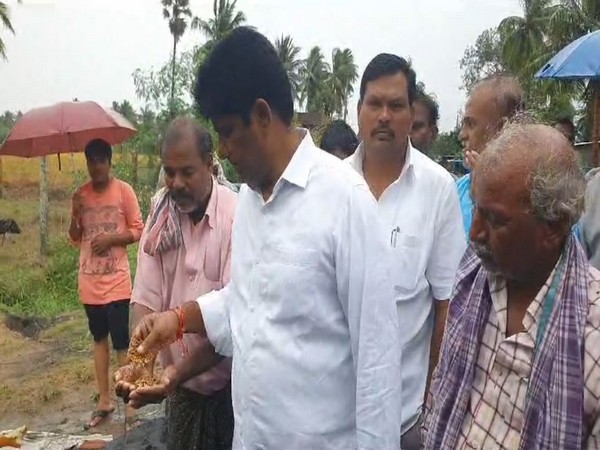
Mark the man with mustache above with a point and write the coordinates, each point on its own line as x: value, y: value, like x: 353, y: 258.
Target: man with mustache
x: 520, y: 362
x: 492, y: 102
x: 185, y: 251
x: 307, y: 315
x: 418, y: 205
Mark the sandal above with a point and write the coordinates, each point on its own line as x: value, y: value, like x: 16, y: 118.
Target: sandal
x: 98, y: 417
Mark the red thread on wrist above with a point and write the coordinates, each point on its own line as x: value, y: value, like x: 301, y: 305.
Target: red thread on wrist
x: 180, y: 313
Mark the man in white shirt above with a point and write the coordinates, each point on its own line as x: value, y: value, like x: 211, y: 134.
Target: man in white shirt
x: 419, y: 207
x: 307, y: 315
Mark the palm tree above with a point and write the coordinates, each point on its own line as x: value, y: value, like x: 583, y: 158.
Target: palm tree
x: 314, y: 89
x: 5, y: 20
x: 288, y: 54
x: 344, y: 74
x: 225, y: 19
x: 524, y: 39
x: 572, y: 19
x: 526, y: 44
x: 126, y: 110
x: 176, y: 12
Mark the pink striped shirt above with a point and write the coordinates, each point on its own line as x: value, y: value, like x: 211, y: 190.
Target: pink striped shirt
x: 200, y: 265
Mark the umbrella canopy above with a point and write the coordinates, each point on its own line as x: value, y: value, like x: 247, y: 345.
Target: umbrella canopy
x: 578, y: 60
x: 65, y: 127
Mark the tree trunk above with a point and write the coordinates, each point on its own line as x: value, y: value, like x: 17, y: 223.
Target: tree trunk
x: 44, y: 206
x: 1, y: 180
x: 171, y: 106
x: 135, y: 166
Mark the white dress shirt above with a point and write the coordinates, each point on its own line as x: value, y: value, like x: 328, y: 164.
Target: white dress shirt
x: 307, y: 316
x: 424, y: 229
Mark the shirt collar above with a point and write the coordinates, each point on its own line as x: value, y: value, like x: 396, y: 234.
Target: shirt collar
x: 532, y: 315
x: 356, y: 160
x: 298, y: 169
x: 211, y: 208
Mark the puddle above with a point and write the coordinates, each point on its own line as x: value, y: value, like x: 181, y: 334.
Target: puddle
x: 30, y: 327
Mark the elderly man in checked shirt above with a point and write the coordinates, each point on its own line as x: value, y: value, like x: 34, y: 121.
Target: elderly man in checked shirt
x: 519, y: 367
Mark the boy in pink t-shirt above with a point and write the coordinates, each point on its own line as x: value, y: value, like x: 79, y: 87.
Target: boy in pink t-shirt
x: 105, y: 219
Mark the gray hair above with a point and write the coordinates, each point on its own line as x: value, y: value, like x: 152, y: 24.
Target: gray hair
x: 556, y: 183
x: 508, y: 94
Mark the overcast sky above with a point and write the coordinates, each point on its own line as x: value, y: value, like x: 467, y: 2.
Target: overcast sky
x: 89, y: 48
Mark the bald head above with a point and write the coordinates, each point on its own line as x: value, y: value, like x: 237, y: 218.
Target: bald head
x: 540, y: 162
x: 492, y: 103
x: 506, y: 93
x: 187, y: 128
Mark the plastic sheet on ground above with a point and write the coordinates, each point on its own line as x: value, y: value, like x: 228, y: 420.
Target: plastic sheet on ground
x: 51, y: 441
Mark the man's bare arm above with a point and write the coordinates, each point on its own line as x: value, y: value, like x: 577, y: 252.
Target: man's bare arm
x: 137, y: 313
x: 122, y: 239
x: 201, y: 359
x: 194, y: 322
x: 75, y: 229
x: 441, y: 311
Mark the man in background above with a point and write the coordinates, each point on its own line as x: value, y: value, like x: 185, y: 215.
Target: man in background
x: 418, y: 206
x: 339, y: 139
x: 105, y: 219
x: 424, y: 131
x: 566, y: 126
x: 492, y: 103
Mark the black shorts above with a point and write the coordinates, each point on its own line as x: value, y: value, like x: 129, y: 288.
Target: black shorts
x: 113, y: 319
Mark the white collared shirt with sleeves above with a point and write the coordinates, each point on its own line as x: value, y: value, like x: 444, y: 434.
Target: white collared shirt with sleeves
x: 307, y: 316
x: 424, y: 231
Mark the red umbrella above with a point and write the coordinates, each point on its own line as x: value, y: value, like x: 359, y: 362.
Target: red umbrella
x: 65, y: 128
x: 62, y: 128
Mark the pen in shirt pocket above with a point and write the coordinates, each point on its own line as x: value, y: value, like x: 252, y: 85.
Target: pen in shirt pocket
x: 394, y: 236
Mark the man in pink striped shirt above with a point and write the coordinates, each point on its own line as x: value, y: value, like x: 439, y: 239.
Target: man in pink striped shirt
x: 185, y: 252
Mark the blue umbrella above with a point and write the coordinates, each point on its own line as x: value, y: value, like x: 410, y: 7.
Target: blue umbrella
x: 580, y: 60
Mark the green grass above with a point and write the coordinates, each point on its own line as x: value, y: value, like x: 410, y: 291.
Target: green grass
x: 30, y: 286
x: 47, y: 287
x: 31, y: 292
x: 35, y: 293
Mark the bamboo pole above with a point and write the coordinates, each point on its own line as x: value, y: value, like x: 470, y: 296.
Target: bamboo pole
x: 1, y: 179
x: 44, y: 206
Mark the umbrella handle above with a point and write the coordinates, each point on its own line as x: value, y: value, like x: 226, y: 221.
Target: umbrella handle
x: 596, y: 122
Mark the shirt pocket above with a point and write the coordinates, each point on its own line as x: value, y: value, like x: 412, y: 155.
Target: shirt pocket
x: 406, y: 266
x: 292, y: 283
x: 295, y: 257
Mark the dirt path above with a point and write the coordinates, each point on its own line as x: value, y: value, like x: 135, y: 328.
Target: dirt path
x: 48, y: 383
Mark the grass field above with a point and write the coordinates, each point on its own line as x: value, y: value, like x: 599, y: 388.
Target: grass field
x: 46, y: 382
x: 30, y: 285
x: 26, y: 171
